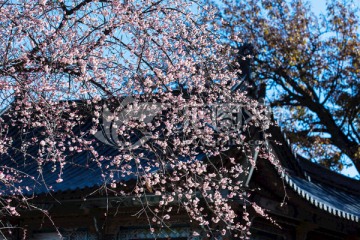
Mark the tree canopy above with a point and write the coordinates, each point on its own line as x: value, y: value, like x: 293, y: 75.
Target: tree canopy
x: 62, y: 60
x: 310, y: 66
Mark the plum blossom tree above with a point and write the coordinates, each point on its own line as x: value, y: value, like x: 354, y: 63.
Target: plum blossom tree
x: 62, y: 60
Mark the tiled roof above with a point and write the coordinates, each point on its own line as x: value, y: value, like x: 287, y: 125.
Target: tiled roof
x: 327, y: 198
x: 325, y: 189
x: 80, y: 170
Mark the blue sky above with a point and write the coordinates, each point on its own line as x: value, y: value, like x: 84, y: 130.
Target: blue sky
x: 319, y: 6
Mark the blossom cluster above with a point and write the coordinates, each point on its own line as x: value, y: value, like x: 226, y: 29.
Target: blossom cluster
x: 61, y: 62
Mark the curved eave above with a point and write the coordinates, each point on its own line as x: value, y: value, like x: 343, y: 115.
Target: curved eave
x: 323, y: 204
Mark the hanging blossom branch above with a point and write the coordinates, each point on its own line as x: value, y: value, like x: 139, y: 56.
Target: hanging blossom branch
x: 154, y: 83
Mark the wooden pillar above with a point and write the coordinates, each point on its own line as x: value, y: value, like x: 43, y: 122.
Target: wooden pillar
x: 303, y: 229
x: 106, y: 228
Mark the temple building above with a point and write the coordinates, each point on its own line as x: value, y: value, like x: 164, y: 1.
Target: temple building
x: 306, y: 201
